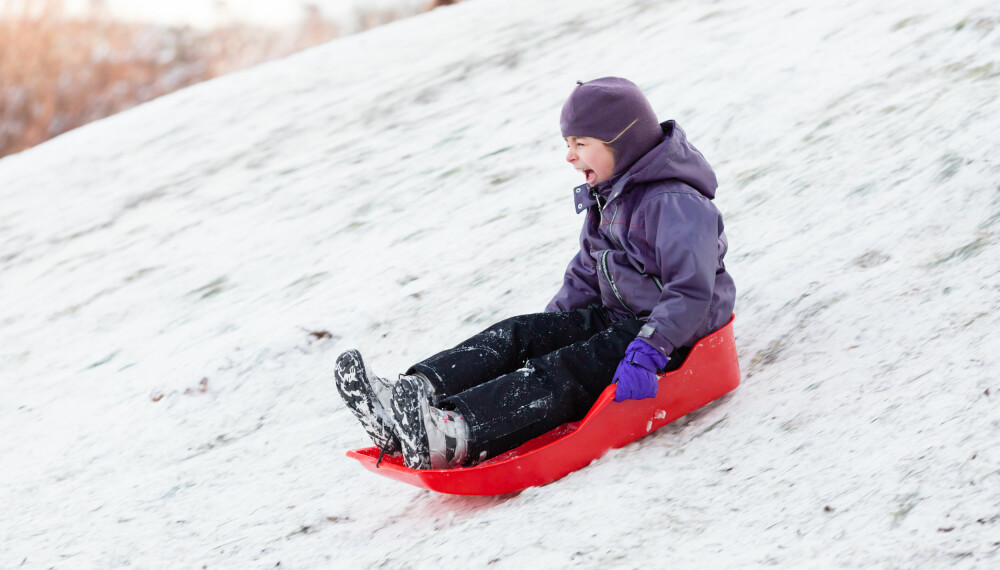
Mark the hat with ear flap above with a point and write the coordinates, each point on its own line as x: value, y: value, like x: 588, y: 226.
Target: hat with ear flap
x: 615, y: 111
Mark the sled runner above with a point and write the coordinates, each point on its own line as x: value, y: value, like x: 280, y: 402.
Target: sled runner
x: 710, y: 371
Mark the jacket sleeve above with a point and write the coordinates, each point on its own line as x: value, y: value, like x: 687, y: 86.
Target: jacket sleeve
x: 682, y: 229
x: 580, y: 288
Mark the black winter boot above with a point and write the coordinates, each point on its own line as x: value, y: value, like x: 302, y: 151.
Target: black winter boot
x: 368, y: 397
x: 431, y: 438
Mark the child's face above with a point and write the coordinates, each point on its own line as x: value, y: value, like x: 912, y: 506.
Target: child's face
x: 592, y: 157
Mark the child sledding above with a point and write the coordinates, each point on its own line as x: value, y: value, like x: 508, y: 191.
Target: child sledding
x: 647, y: 284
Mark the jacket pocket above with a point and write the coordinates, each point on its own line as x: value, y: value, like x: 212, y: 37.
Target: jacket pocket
x: 606, y: 278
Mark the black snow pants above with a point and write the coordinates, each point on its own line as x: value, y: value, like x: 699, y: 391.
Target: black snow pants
x: 528, y: 374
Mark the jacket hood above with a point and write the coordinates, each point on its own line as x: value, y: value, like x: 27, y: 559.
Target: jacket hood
x: 675, y: 158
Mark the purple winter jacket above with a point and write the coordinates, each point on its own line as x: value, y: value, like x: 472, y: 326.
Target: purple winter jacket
x: 652, y: 247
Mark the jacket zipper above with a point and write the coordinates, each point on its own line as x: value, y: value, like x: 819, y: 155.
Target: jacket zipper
x: 611, y: 226
x: 659, y: 284
x: 611, y: 234
x: 597, y: 198
x: 614, y: 288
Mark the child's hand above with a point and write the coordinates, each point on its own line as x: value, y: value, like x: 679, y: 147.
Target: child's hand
x: 636, y: 374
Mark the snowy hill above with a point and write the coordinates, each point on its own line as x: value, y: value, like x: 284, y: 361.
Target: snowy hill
x: 177, y: 280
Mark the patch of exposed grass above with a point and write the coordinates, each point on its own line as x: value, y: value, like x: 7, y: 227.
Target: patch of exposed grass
x: 871, y: 259
x: 971, y: 249
x: 768, y: 355
x: 906, y: 22
x: 211, y: 289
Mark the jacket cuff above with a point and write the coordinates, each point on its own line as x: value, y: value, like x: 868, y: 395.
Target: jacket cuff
x: 650, y: 336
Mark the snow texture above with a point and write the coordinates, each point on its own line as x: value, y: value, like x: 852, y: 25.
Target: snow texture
x: 177, y: 281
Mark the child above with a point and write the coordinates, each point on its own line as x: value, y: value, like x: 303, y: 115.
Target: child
x: 647, y: 283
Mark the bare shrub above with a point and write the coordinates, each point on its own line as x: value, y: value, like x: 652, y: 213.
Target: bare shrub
x: 59, y: 72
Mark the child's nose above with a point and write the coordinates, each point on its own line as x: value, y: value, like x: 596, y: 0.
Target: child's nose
x: 570, y: 156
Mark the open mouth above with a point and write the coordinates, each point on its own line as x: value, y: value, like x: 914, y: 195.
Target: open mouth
x: 590, y: 175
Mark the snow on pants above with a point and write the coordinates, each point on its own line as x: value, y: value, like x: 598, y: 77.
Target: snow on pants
x: 528, y: 374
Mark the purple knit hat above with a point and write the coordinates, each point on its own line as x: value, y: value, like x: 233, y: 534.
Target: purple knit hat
x: 615, y: 111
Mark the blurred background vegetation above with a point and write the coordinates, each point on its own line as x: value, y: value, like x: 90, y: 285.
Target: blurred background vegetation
x: 61, y: 69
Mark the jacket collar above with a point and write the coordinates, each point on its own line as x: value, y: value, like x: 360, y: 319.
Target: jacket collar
x: 611, y: 189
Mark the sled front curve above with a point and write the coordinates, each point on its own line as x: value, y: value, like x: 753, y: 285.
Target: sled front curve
x: 710, y: 371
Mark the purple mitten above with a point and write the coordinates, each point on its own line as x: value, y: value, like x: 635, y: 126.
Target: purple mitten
x: 636, y: 374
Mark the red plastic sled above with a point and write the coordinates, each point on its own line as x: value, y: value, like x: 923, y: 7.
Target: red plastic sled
x: 710, y: 371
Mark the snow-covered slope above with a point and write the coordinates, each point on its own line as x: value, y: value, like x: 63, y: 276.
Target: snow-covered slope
x: 177, y: 280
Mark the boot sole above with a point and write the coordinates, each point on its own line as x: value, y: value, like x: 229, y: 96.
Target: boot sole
x: 409, y: 399
x: 353, y: 383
